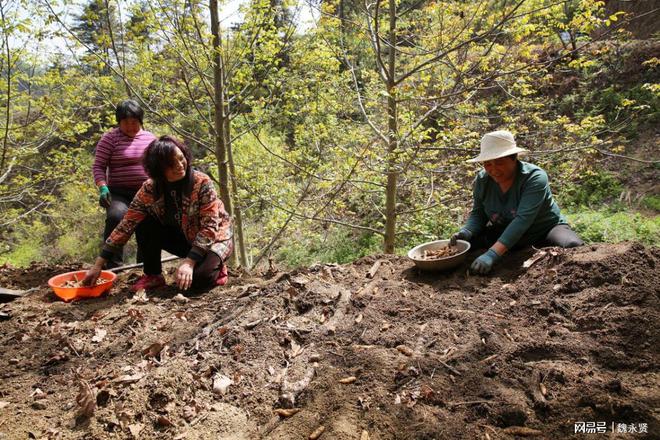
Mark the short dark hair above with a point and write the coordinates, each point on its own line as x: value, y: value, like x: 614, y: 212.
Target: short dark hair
x: 513, y: 156
x: 129, y: 109
x: 160, y: 154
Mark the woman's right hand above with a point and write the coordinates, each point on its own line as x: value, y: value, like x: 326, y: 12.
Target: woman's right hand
x: 93, y: 274
x: 463, y: 234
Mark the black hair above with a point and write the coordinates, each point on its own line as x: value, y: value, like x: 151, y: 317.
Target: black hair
x: 129, y: 109
x: 159, y: 155
x: 513, y: 156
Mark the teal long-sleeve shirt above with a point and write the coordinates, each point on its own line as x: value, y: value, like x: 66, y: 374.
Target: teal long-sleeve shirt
x: 526, y: 212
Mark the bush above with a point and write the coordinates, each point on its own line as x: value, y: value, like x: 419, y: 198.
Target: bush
x: 593, y: 188
x: 651, y: 202
x: 26, y: 244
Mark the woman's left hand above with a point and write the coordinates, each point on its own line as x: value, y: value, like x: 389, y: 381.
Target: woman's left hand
x: 485, y: 262
x: 184, y: 275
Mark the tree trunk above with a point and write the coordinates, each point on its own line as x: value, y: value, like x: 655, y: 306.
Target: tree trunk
x: 220, y: 114
x: 240, y: 242
x: 392, y: 137
x: 5, y: 136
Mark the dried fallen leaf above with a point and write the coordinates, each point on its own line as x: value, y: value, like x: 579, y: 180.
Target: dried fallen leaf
x: 179, y: 298
x: 140, y: 297
x: 153, y: 350
x: 426, y: 392
x: 86, y: 399
x: 38, y: 394
x: 221, y: 383
x: 397, y: 400
x: 317, y: 433
x: 128, y: 378
x: 544, y: 390
x: 385, y: 326
x: 296, y: 349
x: 135, y: 429
x: 253, y: 324
x: 405, y: 350
x: 364, y: 435
x: 135, y: 314
x: 522, y: 431
x: 349, y: 379
x: 164, y: 421
x: 286, y: 412
x: 299, y: 280
x: 99, y: 335
x: 3, y: 404
x: 359, y: 318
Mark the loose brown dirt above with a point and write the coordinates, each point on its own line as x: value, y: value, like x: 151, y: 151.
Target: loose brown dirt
x: 403, y: 355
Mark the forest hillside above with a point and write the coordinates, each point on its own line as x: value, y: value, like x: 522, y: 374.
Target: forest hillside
x: 335, y: 140
x: 335, y: 145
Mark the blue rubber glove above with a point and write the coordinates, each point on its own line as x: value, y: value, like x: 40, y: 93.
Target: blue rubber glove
x: 463, y: 234
x: 485, y: 262
x: 104, y: 196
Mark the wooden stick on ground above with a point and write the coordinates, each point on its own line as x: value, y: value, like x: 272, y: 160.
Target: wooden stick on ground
x: 449, y: 367
x: 374, y: 269
x: 133, y: 266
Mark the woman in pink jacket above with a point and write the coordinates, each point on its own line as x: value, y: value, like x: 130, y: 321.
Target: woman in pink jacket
x: 118, y: 170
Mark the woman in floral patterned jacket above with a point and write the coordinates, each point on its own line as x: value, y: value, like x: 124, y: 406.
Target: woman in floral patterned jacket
x: 179, y: 212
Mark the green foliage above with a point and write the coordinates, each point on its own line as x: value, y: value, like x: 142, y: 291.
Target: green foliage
x: 332, y: 246
x: 607, y: 226
x: 80, y: 221
x: 651, y: 202
x: 25, y: 244
x: 591, y: 189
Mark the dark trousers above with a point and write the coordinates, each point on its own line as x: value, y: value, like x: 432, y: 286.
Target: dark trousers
x: 157, y: 237
x: 560, y: 235
x: 120, y: 199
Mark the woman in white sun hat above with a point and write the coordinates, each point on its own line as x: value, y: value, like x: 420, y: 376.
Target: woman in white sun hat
x: 513, y: 205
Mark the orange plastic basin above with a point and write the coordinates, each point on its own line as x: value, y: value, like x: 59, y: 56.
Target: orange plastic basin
x: 69, y: 293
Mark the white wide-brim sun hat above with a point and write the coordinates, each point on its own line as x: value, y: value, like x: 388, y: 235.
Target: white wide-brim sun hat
x: 497, y: 144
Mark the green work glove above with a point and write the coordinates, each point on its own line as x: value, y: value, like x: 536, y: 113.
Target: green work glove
x: 463, y: 234
x: 485, y: 262
x: 104, y: 196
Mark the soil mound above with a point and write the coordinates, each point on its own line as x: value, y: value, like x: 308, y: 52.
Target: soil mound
x: 556, y: 340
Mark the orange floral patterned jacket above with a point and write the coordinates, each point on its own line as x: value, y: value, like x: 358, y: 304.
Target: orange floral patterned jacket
x: 204, y: 221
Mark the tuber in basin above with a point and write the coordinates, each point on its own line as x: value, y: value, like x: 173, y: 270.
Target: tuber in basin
x: 69, y: 293
x: 444, y: 263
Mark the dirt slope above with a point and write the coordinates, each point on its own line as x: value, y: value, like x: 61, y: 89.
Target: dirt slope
x: 574, y: 338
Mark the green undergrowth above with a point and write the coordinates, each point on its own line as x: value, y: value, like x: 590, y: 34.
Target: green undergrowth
x: 608, y: 226
x: 336, y: 245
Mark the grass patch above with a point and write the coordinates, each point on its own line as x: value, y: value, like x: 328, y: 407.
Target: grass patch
x: 337, y: 246
x: 612, y: 227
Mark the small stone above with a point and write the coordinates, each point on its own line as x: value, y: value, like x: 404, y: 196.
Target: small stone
x: 38, y: 405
